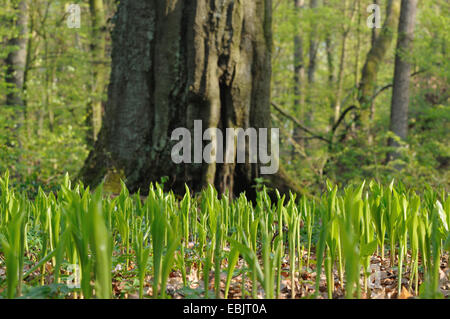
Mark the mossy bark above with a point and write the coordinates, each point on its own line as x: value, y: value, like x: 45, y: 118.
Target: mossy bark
x: 174, y: 62
x: 374, y: 59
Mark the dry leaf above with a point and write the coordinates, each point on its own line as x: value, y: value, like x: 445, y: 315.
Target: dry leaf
x: 405, y: 294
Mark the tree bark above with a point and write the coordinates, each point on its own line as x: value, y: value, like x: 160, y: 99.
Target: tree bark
x: 312, y: 54
x: 313, y: 46
x: 342, y: 63
x: 358, y: 41
x: 299, y: 76
x: 329, y: 48
x: 98, y: 44
x: 174, y: 62
x: 374, y: 36
x: 16, y: 62
x: 330, y: 58
x: 400, y: 95
x: 373, y: 61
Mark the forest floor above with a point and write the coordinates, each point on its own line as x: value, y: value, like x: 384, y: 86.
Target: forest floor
x: 382, y: 284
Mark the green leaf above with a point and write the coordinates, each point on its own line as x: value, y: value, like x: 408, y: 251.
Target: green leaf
x: 442, y: 214
x: 368, y: 249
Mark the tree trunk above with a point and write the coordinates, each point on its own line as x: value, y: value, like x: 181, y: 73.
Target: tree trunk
x: 313, y: 46
x: 28, y: 62
x: 329, y: 48
x: 400, y: 95
x: 374, y: 36
x: 16, y: 63
x: 358, y: 41
x: 373, y: 62
x: 299, y: 77
x: 330, y: 58
x: 342, y: 63
x: 340, y: 78
x: 312, y: 54
x: 98, y: 44
x: 174, y: 62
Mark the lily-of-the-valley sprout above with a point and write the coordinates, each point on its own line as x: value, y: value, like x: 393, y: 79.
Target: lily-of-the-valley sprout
x: 367, y: 240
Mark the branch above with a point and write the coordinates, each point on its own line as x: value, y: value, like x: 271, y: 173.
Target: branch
x: 297, y: 122
x: 380, y: 91
x: 341, y: 118
x: 388, y: 86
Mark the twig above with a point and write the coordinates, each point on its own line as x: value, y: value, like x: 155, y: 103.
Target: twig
x: 341, y: 118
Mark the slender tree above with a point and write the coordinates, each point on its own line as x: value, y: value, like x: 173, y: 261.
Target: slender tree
x: 16, y: 61
x: 400, y: 95
x: 313, y: 45
x: 98, y: 45
x: 373, y: 39
x: 299, y: 73
x: 312, y: 63
x: 342, y: 61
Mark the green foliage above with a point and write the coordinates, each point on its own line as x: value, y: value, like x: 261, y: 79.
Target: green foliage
x: 96, y: 233
x: 341, y: 229
x: 52, y: 136
x: 424, y: 155
x: 49, y: 137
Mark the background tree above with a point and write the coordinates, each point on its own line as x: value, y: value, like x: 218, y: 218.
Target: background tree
x: 57, y: 78
x: 400, y: 95
x: 299, y: 72
x: 16, y: 64
x: 98, y: 47
x: 374, y: 60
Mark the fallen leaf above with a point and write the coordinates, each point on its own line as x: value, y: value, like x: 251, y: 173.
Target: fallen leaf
x: 404, y: 294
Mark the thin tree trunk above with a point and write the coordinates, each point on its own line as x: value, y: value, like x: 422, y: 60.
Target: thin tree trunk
x: 374, y: 30
x: 313, y: 46
x: 27, y: 68
x: 15, y: 65
x: 342, y: 63
x: 400, y: 95
x: 329, y: 46
x: 340, y: 78
x: 330, y: 58
x: 45, y: 97
x: 372, y: 103
x: 312, y: 54
x: 299, y: 76
x: 98, y: 44
x: 358, y: 42
x: 330, y: 64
